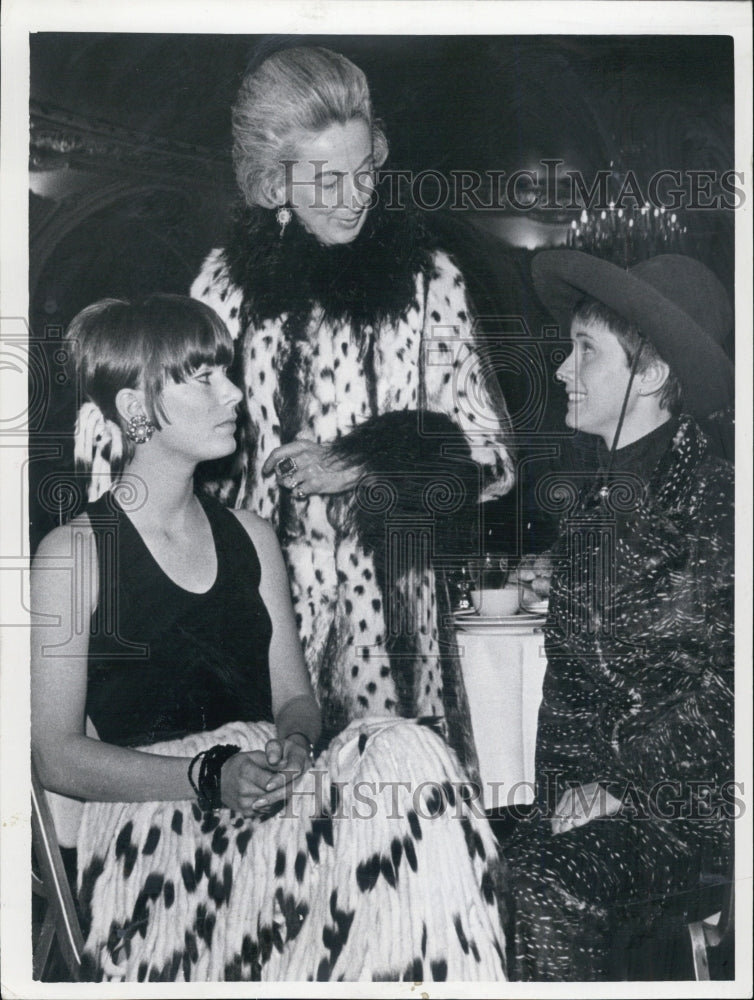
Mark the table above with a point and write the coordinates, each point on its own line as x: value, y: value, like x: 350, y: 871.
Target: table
x: 503, y: 666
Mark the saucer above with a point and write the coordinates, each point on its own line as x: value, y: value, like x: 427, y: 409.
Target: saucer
x: 521, y: 621
x: 538, y: 608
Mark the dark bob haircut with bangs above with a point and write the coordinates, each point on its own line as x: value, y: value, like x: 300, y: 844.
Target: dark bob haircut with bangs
x: 122, y: 345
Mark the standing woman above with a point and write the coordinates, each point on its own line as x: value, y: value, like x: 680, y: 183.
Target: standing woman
x: 367, y: 405
x: 209, y: 849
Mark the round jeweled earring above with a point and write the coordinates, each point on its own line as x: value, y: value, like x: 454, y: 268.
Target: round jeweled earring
x: 283, y: 216
x: 139, y: 429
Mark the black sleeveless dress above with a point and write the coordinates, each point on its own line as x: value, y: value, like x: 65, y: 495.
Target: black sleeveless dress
x: 163, y: 661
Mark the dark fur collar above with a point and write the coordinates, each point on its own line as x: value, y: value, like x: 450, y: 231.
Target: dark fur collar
x: 363, y: 283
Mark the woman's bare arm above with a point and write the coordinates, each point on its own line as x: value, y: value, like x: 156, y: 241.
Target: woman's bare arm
x: 293, y: 702
x: 63, y: 597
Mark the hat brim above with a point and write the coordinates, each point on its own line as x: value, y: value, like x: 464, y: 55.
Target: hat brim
x: 563, y: 277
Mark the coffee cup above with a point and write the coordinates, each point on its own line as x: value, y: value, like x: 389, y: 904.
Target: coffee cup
x: 497, y: 602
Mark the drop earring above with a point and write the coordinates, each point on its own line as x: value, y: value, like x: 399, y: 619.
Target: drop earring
x: 283, y: 216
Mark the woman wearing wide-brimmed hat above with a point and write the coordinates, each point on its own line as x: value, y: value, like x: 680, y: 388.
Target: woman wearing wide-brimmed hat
x: 634, y: 744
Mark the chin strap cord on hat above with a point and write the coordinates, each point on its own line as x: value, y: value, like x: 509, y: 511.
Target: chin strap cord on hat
x: 605, y: 476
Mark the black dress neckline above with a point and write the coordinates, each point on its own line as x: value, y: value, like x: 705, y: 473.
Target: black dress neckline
x: 113, y: 500
x: 164, y: 661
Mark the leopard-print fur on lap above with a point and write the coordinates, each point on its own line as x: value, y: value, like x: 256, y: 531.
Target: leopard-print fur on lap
x: 349, y: 882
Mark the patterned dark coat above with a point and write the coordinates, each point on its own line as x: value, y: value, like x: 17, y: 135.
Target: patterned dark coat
x: 638, y: 696
x: 640, y: 645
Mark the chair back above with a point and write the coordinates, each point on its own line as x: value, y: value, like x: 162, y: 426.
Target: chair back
x: 714, y: 928
x: 50, y: 882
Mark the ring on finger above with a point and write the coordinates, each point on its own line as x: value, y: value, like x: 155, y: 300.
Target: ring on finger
x: 299, y: 494
x: 286, y: 466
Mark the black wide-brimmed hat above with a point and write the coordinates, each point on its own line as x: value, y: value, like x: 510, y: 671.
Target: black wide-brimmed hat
x: 675, y: 301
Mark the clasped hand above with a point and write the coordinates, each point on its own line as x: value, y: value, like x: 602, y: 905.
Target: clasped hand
x: 581, y: 804
x: 256, y: 780
x: 315, y: 470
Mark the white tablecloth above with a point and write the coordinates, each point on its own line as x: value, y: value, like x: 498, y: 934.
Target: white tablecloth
x: 503, y: 669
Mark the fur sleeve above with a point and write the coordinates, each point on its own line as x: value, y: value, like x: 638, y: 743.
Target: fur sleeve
x: 417, y: 466
x: 225, y: 479
x: 458, y: 383
x: 213, y: 287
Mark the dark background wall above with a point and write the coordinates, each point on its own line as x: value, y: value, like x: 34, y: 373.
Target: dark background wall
x: 131, y: 184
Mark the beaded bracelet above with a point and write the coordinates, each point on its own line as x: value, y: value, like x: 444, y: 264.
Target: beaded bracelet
x: 207, y: 786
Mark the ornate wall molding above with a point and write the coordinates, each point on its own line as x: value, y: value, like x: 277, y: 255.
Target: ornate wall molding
x: 62, y: 139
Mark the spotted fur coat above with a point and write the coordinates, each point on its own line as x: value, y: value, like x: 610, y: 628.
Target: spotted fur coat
x: 382, y: 867
x: 356, y: 346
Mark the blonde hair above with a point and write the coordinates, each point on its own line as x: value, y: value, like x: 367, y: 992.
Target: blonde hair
x: 294, y: 92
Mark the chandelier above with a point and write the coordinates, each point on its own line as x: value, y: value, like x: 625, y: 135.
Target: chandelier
x: 627, y: 236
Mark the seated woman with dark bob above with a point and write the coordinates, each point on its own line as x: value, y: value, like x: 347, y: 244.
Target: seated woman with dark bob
x: 214, y: 843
